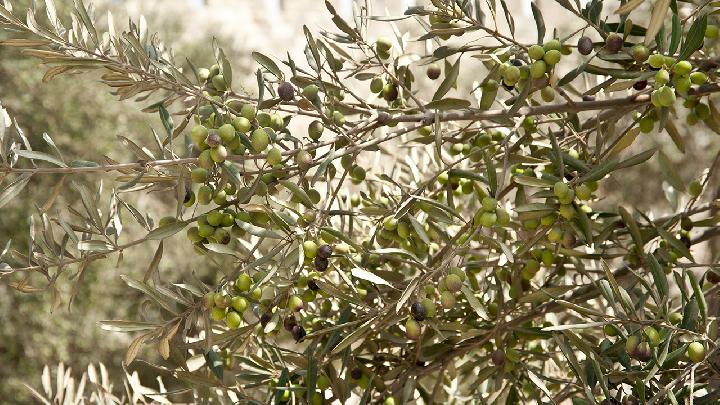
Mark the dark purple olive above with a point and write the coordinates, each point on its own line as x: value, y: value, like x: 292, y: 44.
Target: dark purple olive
x: 324, y: 251
x: 517, y: 62
x: 588, y: 97
x: 640, y: 85
x: 264, y: 319
x: 498, y: 357
x: 356, y: 373
x: 312, y: 285
x: 585, y: 45
x: 321, y: 264
x: 286, y: 91
x: 289, y: 323
x: 298, y: 333
x: 418, y: 311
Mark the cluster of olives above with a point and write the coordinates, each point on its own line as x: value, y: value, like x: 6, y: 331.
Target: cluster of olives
x: 640, y: 346
x: 490, y: 214
x: 447, y: 16
x: 231, y: 305
x: 425, y: 308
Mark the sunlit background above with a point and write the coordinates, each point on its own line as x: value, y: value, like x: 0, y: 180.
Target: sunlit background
x: 78, y: 112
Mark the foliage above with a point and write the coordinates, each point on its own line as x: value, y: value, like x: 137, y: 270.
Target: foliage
x: 423, y: 242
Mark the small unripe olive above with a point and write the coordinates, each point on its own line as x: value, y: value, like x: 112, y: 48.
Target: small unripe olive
x: 666, y: 96
x: 447, y: 300
x: 310, y: 248
x: 698, y: 77
x: 585, y: 45
x: 205, y: 194
x: 640, y: 53
x: 412, y: 329
x: 503, y: 217
x: 218, y: 313
x: 547, y: 94
x: 390, y: 401
x: 198, y: 134
x: 358, y: 174
x: 656, y: 61
x: 682, y: 83
x: 390, y: 92
x: 653, y: 336
x: 538, y: 69
x: 561, y: 189
x: 219, y: 83
x: 696, y: 352
x: 383, y: 44
x: 315, y: 130
x: 567, y: 211
x: 377, y: 84
x: 631, y: 344
x: 711, y: 31
x: 433, y: 71
x: 488, y: 219
x: 260, y: 139
x: 552, y: 57
x: 511, y: 74
x: 199, y: 175
x: 453, y: 283
x: 241, y: 124
x: 193, y: 234
x: 205, y: 159
x: 682, y: 68
x: 226, y: 132
x: 310, y: 92
x: 274, y: 156
x: 430, y: 308
x: 323, y: 382
x: 218, y: 154
x: 536, y: 52
x: 695, y: 188
x: 233, y: 319
x: 189, y: 200
x: 583, y: 192
x: 338, y: 118
x: 662, y: 77
x: 552, y: 45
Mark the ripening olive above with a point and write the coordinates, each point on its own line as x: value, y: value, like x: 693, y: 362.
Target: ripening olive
x: 433, y: 71
x: 453, y: 283
x: 613, y: 43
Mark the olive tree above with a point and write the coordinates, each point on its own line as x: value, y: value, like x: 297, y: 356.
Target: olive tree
x: 397, y: 219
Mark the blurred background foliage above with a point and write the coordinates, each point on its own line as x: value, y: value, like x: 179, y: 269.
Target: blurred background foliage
x: 84, y: 119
